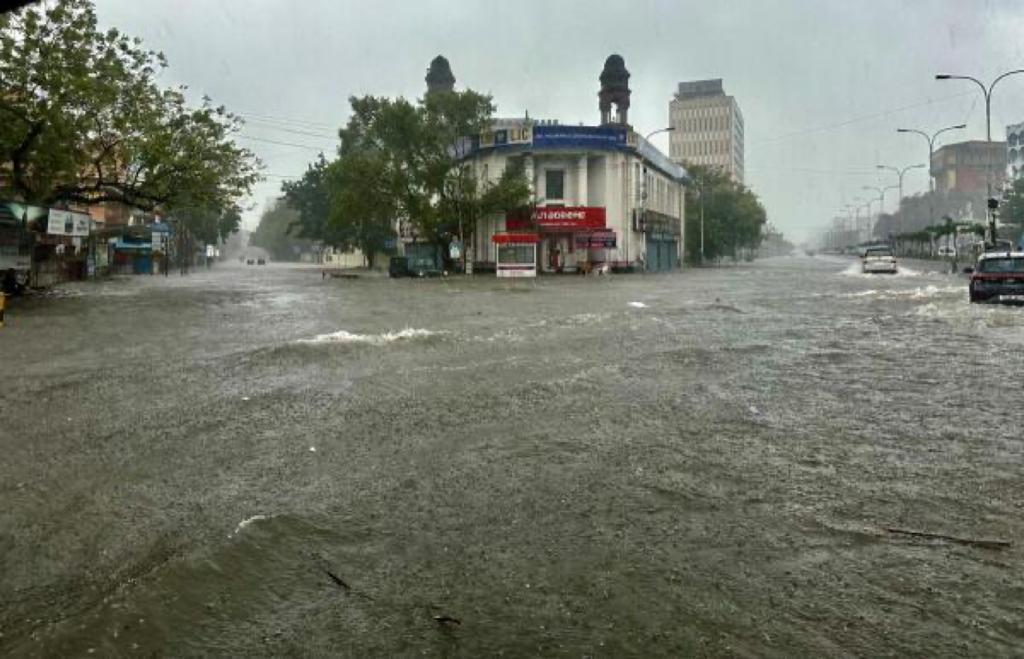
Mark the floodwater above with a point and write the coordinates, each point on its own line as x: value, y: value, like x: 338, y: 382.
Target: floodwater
x: 254, y: 461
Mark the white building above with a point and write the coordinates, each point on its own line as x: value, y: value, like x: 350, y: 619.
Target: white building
x: 707, y: 127
x: 604, y: 195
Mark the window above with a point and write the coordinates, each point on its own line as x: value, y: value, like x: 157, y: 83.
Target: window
x: 554, y: 184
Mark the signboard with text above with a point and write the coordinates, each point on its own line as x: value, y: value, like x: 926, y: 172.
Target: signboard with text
x: 568, y: 219
x: 506, y: 136
x: 68, y: 223
x: 580, y: 137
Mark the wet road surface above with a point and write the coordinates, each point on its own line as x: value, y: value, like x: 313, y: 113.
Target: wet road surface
x: 253, y: 461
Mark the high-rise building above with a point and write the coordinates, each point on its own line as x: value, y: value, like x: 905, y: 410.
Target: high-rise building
x: 1015, y: 151
x: 708, y: 127
x: 966, y: 167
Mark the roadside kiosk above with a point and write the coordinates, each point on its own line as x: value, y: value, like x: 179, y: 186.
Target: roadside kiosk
x: 517, y: 254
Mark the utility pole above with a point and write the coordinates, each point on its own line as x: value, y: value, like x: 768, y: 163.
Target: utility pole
x: 991, y: 204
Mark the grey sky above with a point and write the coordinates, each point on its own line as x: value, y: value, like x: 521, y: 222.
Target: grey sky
x: 822, y: 85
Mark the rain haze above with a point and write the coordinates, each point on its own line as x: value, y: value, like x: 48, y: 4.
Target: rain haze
x: 612, y: 370
x: 822, y: 85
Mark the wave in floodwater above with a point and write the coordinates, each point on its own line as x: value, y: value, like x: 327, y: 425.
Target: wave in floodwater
x: 384, y: 338
x: 919, y: 293
x: 856, y: 270
x: 246, y: 522
x: 637, y: 305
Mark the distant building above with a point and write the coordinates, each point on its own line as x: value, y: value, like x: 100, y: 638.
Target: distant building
x: 1015, y: 151
x: 708, y: 127
x: 964, y: 166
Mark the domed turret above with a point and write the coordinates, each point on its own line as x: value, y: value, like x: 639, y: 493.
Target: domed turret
x: 439, y: 76
x: 614, y: 90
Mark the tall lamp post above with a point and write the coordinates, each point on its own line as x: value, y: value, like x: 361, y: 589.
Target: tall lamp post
x: 643, y: 191
x: 931, y: 146
x: 900, y: 172
x: 987, y: 91
x: 881, y: 195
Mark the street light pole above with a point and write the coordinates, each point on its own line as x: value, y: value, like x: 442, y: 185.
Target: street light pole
x: 931, y: 146
x: 900, y: 173
x: 987, y: 91
x: 643, y: 194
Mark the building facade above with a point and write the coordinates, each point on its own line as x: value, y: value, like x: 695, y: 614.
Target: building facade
x: 1015, y: 151
x: 965, y: 166
x: 603, y: 195
x: 707, y: 127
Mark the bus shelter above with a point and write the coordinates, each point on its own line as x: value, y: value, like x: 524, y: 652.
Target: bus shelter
x: 517, y: 253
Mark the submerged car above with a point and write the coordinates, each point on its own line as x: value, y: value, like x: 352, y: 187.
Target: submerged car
x: 998, y: 277
x: 879, y: 259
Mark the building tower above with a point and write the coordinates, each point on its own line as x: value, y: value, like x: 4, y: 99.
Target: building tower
x: 439, y: 76
x: 614, y: 91
x: 707, y: 127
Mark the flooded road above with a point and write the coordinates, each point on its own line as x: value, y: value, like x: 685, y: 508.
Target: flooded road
x: 253, y: 461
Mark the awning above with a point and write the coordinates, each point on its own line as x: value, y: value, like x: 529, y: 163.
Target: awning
x: 506, y: 238
x: 123, y: 246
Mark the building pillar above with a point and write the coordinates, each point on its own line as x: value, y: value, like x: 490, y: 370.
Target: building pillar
x: 582, y: 194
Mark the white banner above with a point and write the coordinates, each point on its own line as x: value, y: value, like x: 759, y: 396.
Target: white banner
x: 67, y: 223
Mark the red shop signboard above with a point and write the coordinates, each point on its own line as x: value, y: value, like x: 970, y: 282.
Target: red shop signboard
x: 552, y: 218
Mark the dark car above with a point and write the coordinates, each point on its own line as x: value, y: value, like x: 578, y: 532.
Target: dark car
x: 998, y: 277
x: 398, y: 266
x: 261, y: 261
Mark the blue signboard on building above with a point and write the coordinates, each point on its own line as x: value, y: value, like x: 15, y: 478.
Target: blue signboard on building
x: 579, y: 137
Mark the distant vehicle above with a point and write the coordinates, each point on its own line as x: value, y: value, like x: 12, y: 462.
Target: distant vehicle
x: 998, y: 277
x: 417, y: 265
x: 947, y: 251
x: 261, y: 261
x: 398, y: 266
x: 250, y: 262
x: 878, y: 259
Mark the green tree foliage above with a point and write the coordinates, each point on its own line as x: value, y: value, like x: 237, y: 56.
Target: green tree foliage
x: 207, y: 225
x: 276, y: 235
x: 733, y: 216
x: 308, y: 196
x: 403, y: 161
x: 82, y: 119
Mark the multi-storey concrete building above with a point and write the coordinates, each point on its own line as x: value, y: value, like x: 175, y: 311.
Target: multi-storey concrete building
x: 965, y: 166
x: 707, y: 127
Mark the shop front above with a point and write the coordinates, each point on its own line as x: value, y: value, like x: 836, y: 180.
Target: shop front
x: 571, y: 238
x: 662, y: 237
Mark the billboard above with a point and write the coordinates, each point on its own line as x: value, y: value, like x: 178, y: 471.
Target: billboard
x: 68, y: 223
x: 580, y: 137
x: 559, y: 218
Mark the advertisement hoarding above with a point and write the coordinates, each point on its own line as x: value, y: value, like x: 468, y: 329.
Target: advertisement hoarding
x: 554, y: 219
x: 68, y: 223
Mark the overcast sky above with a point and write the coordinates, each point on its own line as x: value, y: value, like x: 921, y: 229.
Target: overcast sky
x: 823, y: 84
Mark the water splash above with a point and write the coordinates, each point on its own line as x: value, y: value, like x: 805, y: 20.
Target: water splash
x: 343, y: 336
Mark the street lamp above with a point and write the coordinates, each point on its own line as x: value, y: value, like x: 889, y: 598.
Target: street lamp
x: 881, y: 195
x: 643, y: 193
x: 900, y: 172
x: 931, y: 146
x: 987, y: 91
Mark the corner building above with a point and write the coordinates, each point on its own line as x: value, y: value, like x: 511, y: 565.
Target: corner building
x: 604, y: 195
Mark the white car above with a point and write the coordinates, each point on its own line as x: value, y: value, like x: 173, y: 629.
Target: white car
x: 879, y: 259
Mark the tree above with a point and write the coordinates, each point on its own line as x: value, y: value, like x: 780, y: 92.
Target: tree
x: 82, y: 119
x: 308, y: 196
x: 404, y: 161
x: 275, y: 232
x: 733, y: 216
